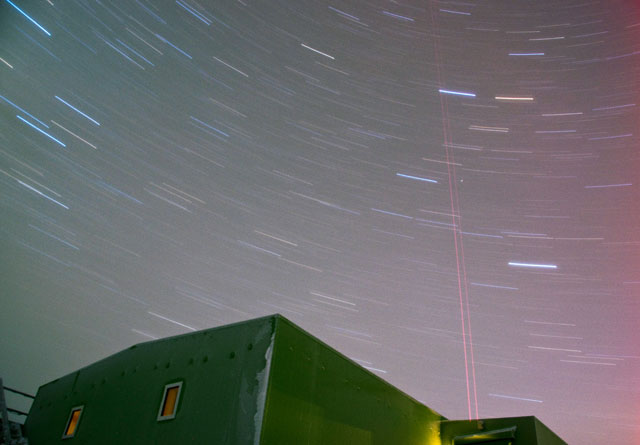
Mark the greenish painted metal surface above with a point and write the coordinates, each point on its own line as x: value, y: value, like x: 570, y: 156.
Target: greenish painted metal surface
x: 263, y: 381
x: 505, y: 430
x: 501, y: 435
x: 545, y: 435
x: 221, y: 369
x: 318, y: 396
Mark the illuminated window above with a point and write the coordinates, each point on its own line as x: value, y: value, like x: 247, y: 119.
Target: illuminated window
x: 170, y: 399
x: 72, y: 424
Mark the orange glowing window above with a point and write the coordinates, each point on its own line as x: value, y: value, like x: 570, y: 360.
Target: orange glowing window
x: 72, y: 424
x: 169, y: 403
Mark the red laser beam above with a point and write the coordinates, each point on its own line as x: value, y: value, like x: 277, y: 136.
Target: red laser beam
x: 457, y: 231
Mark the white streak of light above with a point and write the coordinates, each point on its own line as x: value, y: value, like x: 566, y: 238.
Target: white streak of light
x: 172, y: 321
x: 316, y: 51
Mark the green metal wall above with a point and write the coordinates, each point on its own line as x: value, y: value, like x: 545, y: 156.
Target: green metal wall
x: 526, y: 431
x: 545, y: 435
x: 318, y: 396
x: 222, y: 369
x: 261, y: 381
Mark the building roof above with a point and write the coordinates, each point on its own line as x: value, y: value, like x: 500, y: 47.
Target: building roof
x: 263, y: 381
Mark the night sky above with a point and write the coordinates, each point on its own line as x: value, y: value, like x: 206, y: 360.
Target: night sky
x: 446, y: 192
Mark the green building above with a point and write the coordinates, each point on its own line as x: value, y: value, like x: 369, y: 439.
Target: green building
x: 263, y: 381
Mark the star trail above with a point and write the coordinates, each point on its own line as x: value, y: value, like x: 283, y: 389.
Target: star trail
x: 444, y: 191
